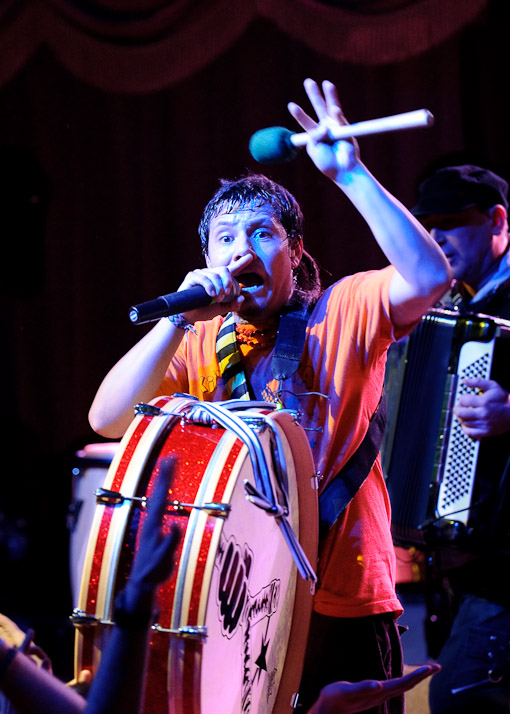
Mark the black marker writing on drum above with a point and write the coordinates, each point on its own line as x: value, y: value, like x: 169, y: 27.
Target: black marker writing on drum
x: 175, y: 303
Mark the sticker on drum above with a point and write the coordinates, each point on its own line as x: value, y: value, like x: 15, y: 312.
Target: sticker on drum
x: 89, y: 472
x: 234, y: 615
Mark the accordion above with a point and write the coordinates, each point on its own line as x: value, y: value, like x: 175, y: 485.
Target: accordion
x: 445, y: 488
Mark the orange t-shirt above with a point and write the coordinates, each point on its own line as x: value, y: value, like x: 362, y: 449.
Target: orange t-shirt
x: 344, y: 359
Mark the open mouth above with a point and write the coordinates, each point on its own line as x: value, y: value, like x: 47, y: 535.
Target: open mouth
x: 249, y: 281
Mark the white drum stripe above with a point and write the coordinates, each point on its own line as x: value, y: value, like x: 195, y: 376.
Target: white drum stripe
x: 120, y: 516
x: 116, y: 531
x: 98, y: 516
x: 225, y: 498
x: 195, y: 531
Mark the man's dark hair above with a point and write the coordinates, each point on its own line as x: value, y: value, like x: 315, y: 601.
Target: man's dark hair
x: 253, y: 191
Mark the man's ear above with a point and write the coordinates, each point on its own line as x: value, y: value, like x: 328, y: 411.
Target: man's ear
x: 499, y: 217
x: 296, y: 253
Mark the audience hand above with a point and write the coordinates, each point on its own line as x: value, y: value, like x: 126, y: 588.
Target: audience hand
x: 350, y: 697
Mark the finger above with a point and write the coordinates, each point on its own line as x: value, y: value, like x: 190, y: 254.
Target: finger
x: 208, y: 279
x: 27, y: 642
x: 418, y: 675
x: 237, y: 265
x: 46, y: 664
x: 235, y: 305
x: 158, y: 500
x: 475, y: 433
x: 316, y: 99
x: 400, y: 685
x: 85, y: 675
x: 472, y: 401
x: 302, y: 118
x: 333, y: 105
x: 468, y: 413
x: 164, y: 554
x: 321, y: 134
x: 479, y: 383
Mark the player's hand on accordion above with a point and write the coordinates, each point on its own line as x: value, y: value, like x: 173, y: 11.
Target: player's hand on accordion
x: 485, y: 411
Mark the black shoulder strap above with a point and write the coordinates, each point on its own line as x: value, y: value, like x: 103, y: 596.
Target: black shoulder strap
x: 290, y: 342
x: 285, y: 361
x: 334, y: 499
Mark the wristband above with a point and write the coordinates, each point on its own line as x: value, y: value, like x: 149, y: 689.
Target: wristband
x: 181, y: 322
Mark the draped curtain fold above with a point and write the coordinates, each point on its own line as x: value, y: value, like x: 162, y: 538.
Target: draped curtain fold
x: 145, y: 45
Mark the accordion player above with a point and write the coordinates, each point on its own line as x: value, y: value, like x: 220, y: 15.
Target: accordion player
x: 445, y: 488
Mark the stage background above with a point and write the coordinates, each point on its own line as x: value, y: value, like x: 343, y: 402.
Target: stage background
x: 116, y: 121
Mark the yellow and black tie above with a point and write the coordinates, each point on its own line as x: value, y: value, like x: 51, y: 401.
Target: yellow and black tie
x: 229, y: 358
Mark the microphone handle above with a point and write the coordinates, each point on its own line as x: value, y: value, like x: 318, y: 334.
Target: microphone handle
x: 171, y: 304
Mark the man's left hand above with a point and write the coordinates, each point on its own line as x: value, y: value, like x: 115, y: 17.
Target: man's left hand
x: 486, y: 412
x: 334, y: 158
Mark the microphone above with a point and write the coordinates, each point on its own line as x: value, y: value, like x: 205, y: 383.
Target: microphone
x: 276, y: 143
x: 175, y: 303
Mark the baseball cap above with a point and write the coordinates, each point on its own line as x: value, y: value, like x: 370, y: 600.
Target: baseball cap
x: 454, y: 188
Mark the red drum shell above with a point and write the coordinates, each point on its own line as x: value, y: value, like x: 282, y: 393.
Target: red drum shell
x: 233, y: 575
x: 89, y: 473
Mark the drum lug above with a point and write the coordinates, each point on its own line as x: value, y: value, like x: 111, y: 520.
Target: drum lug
x: 188, y: 632
x: 255, y: 423
x: 80, y: 617
x: 147, y: 409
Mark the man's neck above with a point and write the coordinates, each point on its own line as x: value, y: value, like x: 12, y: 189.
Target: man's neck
x: 490, y: 268
x: 497, y: 271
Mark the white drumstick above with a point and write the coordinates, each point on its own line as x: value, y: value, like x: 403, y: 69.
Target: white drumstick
x: 396, y: 122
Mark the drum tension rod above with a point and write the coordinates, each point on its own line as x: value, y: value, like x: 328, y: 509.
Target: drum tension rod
x: 189, y: 632
x: 221, y: 510
x: 80, y: 618
x: 105, y: 497
x: 114, y: 498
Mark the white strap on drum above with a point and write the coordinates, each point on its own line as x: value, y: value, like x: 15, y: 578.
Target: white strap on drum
x: 263, y: 495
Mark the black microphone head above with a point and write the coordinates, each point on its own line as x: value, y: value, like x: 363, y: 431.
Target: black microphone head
x: 272, y: 145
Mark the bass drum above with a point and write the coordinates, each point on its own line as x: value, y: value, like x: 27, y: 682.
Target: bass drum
x: 91, y: 465
x: 234, y: 615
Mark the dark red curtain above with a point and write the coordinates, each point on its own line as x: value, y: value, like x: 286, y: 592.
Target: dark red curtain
x: 141, y: 45
x: 114, y: 129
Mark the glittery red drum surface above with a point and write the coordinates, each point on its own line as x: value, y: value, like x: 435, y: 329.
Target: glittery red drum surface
x: 89, y: 472
x: 234, y: 615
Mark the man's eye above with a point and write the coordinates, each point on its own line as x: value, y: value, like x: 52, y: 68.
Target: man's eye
x: 225, y: 239
x: 262, y: 235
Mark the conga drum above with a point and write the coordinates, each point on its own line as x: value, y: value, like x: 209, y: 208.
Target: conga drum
x: 234, y: 614
x: 90, y: 467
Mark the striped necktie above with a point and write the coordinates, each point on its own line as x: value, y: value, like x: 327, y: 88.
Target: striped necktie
x: 229, y: 358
